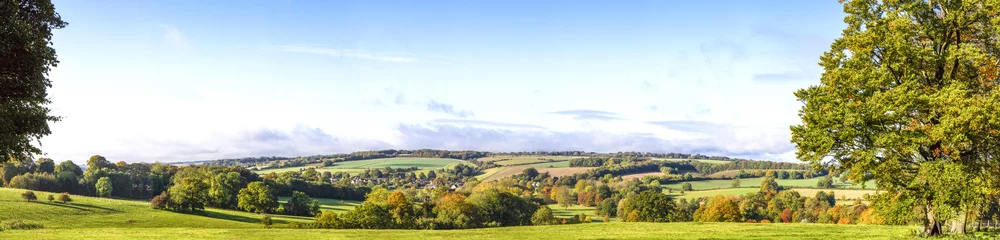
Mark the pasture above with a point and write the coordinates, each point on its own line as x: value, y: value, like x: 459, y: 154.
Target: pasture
x: 696, y: 160
x: 511, y: 160
x: 329, y: 204
x: 555, y: 172
x: 850, y: 194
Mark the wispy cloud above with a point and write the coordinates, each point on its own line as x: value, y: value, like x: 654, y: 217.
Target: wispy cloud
x: 350, y: 53
x: 447, y: 109
x: 589, y: 115
x: 488, y: 124
x: 173, y: 37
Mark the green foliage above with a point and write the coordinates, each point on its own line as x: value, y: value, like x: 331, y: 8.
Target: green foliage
x: 224, y: 188
x: 503, y: 208
x: 190, y: 189
x: 329, y: 219
x: 563, y: 196
x: 27, y: 58
x: 68, y: 166
x: 36, y: 181
x: 257, y: 197
x: 826, y: 182
x: 266, y: 220
x: 648, y: 206
x: 29, y: 196
x: 299, y: 205
x: 607, y: 207
x: 686, y: 186
x: 64, y: 198
x: 161, y: 201
x: 908, y: 98
x: 543, y: 216
x: 45, y: 165
x: 51, y: 198
x: 736, y: 183
x: 103, y: 187
x: 769, y: 187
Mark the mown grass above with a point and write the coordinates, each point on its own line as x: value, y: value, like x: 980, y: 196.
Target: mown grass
x: 613, y: 230
x: 329, y: 204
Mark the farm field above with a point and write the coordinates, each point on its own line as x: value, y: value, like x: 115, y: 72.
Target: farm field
x: 641, y: 175
x: 357, y: 166
x: 573, y: 211
x: 555, y: 172
x: 548, y: 164
x: 508, y: 160
x: 329, y: 204
x: 696, y: 160
x: 613, y: 230
x: 806, y: 192
x: 755, y: 182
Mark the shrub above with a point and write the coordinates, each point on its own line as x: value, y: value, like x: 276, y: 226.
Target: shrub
x: 160, y: 201
x: 266, y: 220
x: 543, y: 216
x: 29, y: 196
x: 844, y: 221
x: 329, y: 219
x: 765, y: 221
x: 686, y: 187
x: 16, y: 224
x: 51, y: 198
x: 64, y: 198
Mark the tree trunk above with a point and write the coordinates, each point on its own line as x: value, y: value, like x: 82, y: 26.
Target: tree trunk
x: 931, y: 225
x: 958, y: 226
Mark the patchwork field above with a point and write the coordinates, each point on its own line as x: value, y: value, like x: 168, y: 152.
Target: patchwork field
x: 359, y: 165
x: 641, y: 175
x: 696, y: 160
x: 509, y: 160
x: 755, y: 182
x: 850, y: 194
x: 555, y: 172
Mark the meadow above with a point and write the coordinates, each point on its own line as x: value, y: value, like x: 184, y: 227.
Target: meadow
x: 328, y: 204
x: 555, y: 172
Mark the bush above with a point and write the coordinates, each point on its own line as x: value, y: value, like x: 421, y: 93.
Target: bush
x: 543, y: 216
x: 64, y: 198
x: 765, y: 221
x: 266, y: 220
x: 329, y: 219
x: 686, y: 187
x: 844, y: 221
x: 16, y: 224
x: 160, y: 201
x: 29, y: 195
x: 51, y: 198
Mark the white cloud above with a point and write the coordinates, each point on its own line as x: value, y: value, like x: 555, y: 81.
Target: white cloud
x: 348, y: 53
x: 173, y: 37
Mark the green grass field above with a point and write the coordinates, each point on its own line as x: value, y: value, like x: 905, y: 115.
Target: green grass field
x: 354, y: 167
x: 527, y: 160
x: 328, y: 204
x: 99, y: 218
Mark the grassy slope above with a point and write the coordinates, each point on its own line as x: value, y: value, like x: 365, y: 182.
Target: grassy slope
x: 329, y: 204
x: 87, y: 212
x: 578, y: 231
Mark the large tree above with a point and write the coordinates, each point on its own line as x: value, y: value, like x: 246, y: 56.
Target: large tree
x: 909, y: 98
x: 26, y: 56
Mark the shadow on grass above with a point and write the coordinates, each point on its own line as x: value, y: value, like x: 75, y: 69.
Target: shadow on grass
x: 96, y: 207
x: 66, y: 205
x: 225, y: 216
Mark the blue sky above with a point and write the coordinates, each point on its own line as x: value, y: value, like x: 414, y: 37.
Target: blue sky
x: 194, y: 80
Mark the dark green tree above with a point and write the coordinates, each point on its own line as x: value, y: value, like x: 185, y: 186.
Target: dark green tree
x: 25, y: 44
x: 257, y: 197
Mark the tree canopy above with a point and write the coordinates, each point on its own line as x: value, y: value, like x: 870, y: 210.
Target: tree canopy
x: 908, y: 97
x: 26, y: 47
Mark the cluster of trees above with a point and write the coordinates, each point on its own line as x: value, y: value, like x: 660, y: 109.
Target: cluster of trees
x: 136, y: 180
x: 486, y: 205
